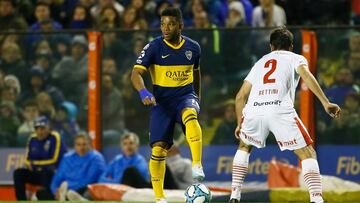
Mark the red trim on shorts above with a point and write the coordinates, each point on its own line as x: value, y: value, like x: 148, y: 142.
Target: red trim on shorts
x: 241, y: 121
x: 303, y: 131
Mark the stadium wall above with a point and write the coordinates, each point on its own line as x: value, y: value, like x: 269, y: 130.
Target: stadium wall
x: 340, y: 161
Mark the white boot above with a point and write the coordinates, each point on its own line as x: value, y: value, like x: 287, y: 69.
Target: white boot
x: 62, y: 191
x: 74, y: 196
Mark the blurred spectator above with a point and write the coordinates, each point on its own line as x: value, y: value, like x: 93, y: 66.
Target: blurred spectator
x: 110, y: 67
x: 9, y: 94
x: 45, y: 150
x: 209, y: 40
x: 61, y: 47
x: 129, y: 167
x: 137, y: 44
x: 71, y: 73
x: 115, y: 45
x: 161, y: 5
x: 248, y: 7
x: 25, y: 8
x: 193, y: 7
x: 145, y: 8
x: 12, y: 62
x: 81, y: 18
x: 43, y: 23
x: 236, y: 16
x: 43, y: 46
x: 13, y: 82
x: 180, y: 167
x: 344, y: 130
x: 342, y: 86
x: 112, y: 108
x: 268, y: 14
x: 139, y: 5
x: 212, y: 97
x: 9, y: 122
x: 129, y: 18
x: 96, y: 9
x: 42, y: 14
x: 109, y: 18
x: 45, y: 105
x: 87, y: 3
x: 141, y: 24
x: 224, y: 133
x: 217, y: 11
x: 9, y: 19
x: 12, y: 39
x: 65, y: 122
x: 133, y: 108
x: 29, y: 112
x: 78, y: 168
x: 44, y: 62
x: 37, y: 84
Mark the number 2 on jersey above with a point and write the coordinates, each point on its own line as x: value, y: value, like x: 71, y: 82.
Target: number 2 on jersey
x: 272, y: 65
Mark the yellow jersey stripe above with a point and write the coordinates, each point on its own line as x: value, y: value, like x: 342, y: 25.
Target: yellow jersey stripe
x: 56, y: 154
x: 140, y: 67
x: 171, y: 76
x: 27, y: 161
x: 175, y: 47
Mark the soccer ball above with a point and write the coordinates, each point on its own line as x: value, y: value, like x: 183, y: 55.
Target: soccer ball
x: 197, y: 193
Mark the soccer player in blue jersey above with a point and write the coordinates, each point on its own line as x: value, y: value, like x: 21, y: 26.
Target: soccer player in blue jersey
x: 173, y: 62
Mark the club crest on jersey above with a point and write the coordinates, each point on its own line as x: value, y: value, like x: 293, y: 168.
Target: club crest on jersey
x: 188, y: 55
x: 47, y: 145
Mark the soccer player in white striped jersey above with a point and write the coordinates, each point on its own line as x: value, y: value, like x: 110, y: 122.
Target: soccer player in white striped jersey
x: 265, y: 103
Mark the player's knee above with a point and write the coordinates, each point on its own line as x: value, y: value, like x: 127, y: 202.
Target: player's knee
x: 244, y: 147
x: 307, y: 152
x: 160, y: 144
x: 189, y: 114
x: 158, y: 153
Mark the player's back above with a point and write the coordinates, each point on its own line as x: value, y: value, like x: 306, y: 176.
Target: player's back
x: 274, y: 80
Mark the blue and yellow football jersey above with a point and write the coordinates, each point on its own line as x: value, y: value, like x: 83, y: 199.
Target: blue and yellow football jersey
x: 171, y: 67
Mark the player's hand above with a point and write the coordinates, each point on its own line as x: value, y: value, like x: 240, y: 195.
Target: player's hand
x: 146, y: 97
x: 332, y: 109
x: 237, y: 132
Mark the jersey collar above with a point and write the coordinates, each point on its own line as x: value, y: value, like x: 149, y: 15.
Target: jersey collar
x: 175, y: 47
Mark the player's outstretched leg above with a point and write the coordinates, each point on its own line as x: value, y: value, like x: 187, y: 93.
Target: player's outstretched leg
x: 239, y: 171
x: 311, y: 172
x: 194, y: 138
x: 157, y: 170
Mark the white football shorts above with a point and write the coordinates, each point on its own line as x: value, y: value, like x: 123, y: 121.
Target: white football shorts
x: 289, y: 131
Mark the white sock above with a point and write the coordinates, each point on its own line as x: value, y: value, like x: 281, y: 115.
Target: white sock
x: 312, y: 178
x: 239, y: 171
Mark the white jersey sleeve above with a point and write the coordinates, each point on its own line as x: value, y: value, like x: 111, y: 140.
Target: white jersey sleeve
x: 251, y: 75
x: 298, y: 61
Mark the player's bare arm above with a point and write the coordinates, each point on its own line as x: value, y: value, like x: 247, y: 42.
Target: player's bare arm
x: 241, y: 99
x: 138, y: 83
x: 197, y: 82
x: 332, y: 109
